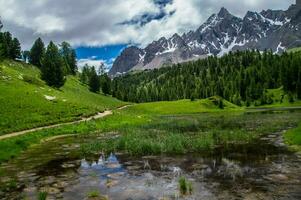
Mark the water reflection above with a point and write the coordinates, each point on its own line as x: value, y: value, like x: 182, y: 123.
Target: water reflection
x: 106, y: 168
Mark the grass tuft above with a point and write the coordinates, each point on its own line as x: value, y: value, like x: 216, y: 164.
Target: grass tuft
x: 185, y: 186
x: 42, y: 195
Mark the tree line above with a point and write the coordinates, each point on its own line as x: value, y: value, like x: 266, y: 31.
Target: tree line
x: 97, y: 81
x: 55, y: 62
x: 10, y: 48
x: 239, y: 77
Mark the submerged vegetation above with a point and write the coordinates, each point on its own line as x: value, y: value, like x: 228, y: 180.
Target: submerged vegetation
x: 93, y: 194
x: 185, y: 186
x: 42, y: 195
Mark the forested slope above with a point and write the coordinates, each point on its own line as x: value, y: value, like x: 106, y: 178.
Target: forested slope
x: 242, y: 78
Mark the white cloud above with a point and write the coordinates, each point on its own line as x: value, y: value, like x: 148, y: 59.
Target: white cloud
x: 90, y: 62
x: 53, y: 24
x: 95, y: 62
x: 95, y: 22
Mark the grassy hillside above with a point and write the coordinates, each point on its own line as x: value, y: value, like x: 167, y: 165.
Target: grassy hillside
x: 26, y: 101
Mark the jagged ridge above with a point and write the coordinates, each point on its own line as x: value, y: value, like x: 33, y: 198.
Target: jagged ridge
x: 221, y: 33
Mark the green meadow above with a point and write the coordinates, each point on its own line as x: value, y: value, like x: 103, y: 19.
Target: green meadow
x: 27, y: 102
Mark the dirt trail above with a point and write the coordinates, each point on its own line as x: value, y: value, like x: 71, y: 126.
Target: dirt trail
x: 97, y: 116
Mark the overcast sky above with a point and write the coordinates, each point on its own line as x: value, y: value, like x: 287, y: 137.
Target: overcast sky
x: 115, y: 22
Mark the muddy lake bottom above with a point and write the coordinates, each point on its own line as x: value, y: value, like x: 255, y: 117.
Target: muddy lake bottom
x: 263, y: 169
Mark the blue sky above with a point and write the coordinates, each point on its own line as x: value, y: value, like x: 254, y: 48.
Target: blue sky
x: 96, y: 55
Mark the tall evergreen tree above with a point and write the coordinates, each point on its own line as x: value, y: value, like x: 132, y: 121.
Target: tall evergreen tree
x: 69, y: 56
x: 9, y: 47
x: 85, y: 74
x: 37, y: 53
x: 299, y: 84
x: 94, y: 82
x: 6, y: 41
x: 52, y: 67
x: 73, y: 62
x: 105, y: 82
x: 15, y: 50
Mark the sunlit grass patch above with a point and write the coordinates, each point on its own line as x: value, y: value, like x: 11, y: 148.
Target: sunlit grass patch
x: 293, y: 137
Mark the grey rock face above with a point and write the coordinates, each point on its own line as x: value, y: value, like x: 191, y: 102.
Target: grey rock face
x: 128, y: 58
x: 223, y: 32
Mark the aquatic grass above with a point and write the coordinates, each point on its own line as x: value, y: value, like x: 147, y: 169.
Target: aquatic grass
x: 207, y: 133
x: 185, y: 186
x: 42, y: 195
x: 93, y: 194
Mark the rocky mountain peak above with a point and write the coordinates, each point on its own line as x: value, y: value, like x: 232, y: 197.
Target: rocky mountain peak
x: 219, y: 34
x: 128, y: 58
x: 223, y: 13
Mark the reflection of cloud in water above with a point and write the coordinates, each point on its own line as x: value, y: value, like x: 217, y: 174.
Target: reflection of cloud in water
x: 104, y: 167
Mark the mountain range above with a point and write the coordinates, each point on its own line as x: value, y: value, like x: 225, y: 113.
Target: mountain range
x: 223, y: 32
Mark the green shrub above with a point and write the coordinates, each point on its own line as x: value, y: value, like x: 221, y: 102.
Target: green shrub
x: 32, y: 80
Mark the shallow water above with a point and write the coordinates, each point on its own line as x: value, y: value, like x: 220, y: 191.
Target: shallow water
x: 264, y: 169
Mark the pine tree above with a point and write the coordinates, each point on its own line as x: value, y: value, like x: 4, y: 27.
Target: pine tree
x: 6, y: 41
x: 52, y: 67
x: 85, y: 75
x: 15, y: 50
x: 69, y: 56
x: 94, y: 82
x: 105, y: 84
x: 299, y: 85
x: 37, y: 53
x: 73, y: 62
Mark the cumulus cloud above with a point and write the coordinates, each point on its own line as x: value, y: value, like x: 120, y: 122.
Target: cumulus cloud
x: 95, y: 62
x: 102, y: 22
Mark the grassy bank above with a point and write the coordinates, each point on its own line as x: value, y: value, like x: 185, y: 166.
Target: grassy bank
x: 27, y: 102
x: 293, y: 138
